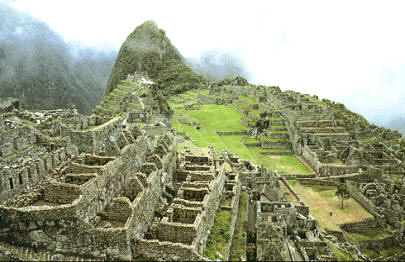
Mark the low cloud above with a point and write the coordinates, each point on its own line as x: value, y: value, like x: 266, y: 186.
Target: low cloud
x: 217, y: 65
x: 38, y: 67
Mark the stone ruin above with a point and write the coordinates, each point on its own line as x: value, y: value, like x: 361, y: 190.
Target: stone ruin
x: 279, y: 229
x: 337, y: 144
x: 113, y: 186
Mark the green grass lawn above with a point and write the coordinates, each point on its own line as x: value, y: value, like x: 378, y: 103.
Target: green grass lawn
x: 248, y: 100
x: 238, y: 250
x: 366, y: 139
x: 370, y: 234
x: 204, y: 92
x: 214, y: 118
x: 341, y: 255
x: 219, y: 236
x: 250, y: 140
x: 384, y: 253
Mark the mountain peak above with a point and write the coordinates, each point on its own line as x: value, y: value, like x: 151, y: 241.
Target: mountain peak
x: 145, y: 48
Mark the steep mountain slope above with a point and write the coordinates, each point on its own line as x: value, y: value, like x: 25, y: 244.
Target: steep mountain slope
x: 39, y: 68
x: 147, y: 49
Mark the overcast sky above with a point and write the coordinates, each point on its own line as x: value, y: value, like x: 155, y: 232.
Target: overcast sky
x: 347, y: 51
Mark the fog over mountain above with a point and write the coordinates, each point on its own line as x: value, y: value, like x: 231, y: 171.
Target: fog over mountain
x: 347, y: 51
x: 38, y: 67
x: 216, y: 65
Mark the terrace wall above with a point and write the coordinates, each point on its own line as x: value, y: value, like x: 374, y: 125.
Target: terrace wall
x: 364, y: 202
x: 359, y: 226
x: 164, y: 250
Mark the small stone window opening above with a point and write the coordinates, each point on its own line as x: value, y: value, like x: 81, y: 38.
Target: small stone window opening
x: 11, y: 183
x: 20, y: 179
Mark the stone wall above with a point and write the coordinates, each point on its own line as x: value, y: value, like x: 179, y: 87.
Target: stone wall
x: 98, y: 137
x: 177, y: 231
x: 214, y: 199
x: 17, y: 178
x: 66, y: 228
x: 276, y: 145
x: 164, y: 250
x: 157, y: 130
x: 364, y: 202
x: 380, y: 243
x: 203, y: 99
x: 16, y: 139
x: 311, y: 158
x: 335, y: 170
x: 285, y: 182
x: 231, y: 133
x: 359, y: 226
x: 314, y: 181
x: 234, y: 208
x: 61, y: 193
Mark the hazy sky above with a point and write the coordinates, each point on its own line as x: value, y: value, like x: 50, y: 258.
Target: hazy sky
x: 347, y: 51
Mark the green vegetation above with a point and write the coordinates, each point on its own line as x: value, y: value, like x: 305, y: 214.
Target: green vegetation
x: 366, y: 139
x: 342, y: 193
x: 174, y: 77
x: 50, y: 73
x: 390, y: 251
x: 291, y: 182
x: 383, y: 253
x: 321, y: 188
x: 341, y: 255
x: 244, y: 104
x: 279, y: 127
x: 87, y: 129
x: 147, y: 49
x: 273, y: 140
x: 219, y: 117
x: 277, y: 150
x: 322, y: 200
x: 204, y: 92
x: 128, y: 82
x: 397, y: 177
x: 269, y: 132
x: 371, y: 234
x: 240, y: 81
x: 219, y: 236
x: 27, y: 122
x: 250, y: 140
x: 238, y: 252
x: 248, y: 100
x: 317, y: 101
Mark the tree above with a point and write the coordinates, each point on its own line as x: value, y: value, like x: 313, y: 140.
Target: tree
x: 342, y: 193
